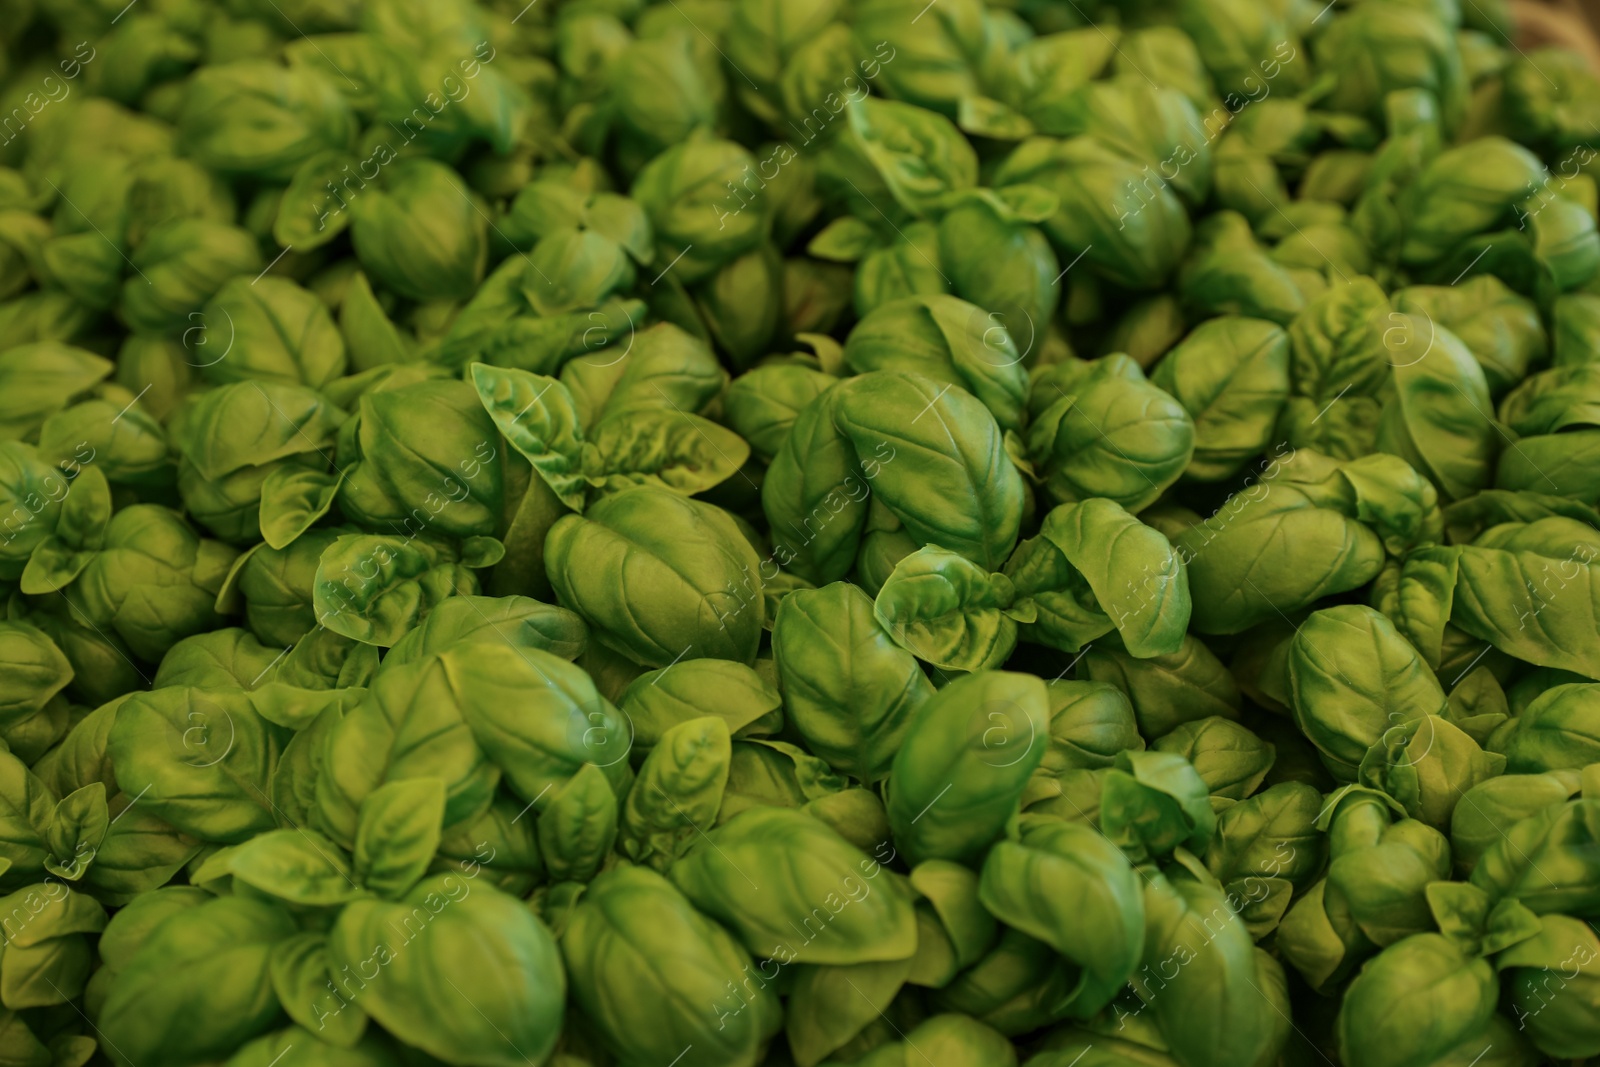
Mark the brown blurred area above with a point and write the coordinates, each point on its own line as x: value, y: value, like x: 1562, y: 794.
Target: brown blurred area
x: 1573, y: 24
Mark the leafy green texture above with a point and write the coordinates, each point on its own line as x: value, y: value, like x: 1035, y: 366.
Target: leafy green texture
x: 1333, y: 520
x: 848, y: 688
x: 578, y: 827
x: 659, y: 576
x: 205, y: 756
x: 951, y: 450
x: 1425, y: 975
x: 949, y: 340
x: 1525, y: 588
x: 1352, y: 678
x: 947, y: 610
x: 1068, y: 886
x: 1231, y: 374
x: 1439, y: 421
x: 962, y: 767
x: 398, y: 834
x: 1101, y: 430
x: 217, y: 990
x: 631, y: 944
x: 435, y: 946
x: 797, y: 532
x: 679, y: 788
x: 818, y: 899
x: 407, y: 579
x: 1135, y: 582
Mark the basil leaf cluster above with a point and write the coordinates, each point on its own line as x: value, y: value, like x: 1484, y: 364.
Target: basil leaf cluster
x: 798, y: 533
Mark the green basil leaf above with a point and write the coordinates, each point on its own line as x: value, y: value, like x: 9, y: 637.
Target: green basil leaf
x: 505, y: 996
x: 545, y: 432
x: 293, y: 499
x: 948, y: 611
x: 398, y: 834
x: 298, y: 866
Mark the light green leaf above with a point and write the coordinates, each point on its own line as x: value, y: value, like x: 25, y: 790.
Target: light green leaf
x: 77, y: 827
x: 762, y: 872
x: 1069, y: 886
x: 659, y: 700
x: 464, y: 971
x: 572, y: 270
x: 962, y: 769
x: 38, y: 380
x: 299, y: 866
x: 677, y: 793
x: 947, y: 610
x: 983, y: 117
x: 311, y: 213
x: 80, y: 532
x: 293, y: 498
x: 536, y: 415
x: 308, y: 992
x: 398, y: 834
x: 370, y: 338
x: 374, y: 588
x: 195, y: 989
x: 849, y: 688
x: 923, y: 445
x: 682, y: 452
x: 578, y: 828
x: 201, y: 760
x: 828, y: 1006
x: 844, y: 240
x: 36, y: 671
